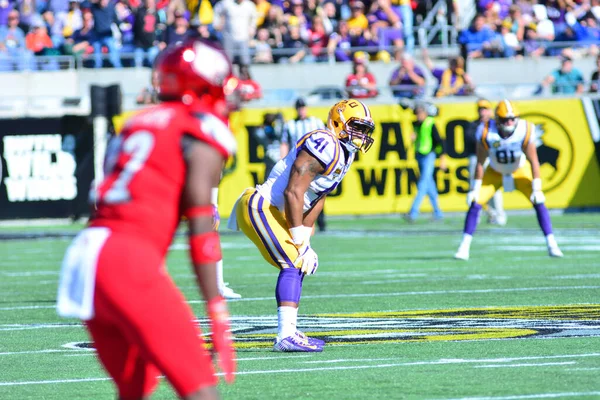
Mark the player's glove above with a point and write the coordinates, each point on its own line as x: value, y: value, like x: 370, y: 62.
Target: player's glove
x: 473, y: 194
x: 537, y: 196
x: 307, y: 260
x: 216, y: 218
x: 216, y: 309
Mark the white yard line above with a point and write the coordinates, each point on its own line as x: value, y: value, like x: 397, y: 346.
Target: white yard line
x: 526, y: 365
x: 337, y: 368
x: 532, y: 396
x: 350, y: 295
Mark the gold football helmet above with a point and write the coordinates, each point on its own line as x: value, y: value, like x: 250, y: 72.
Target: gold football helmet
x: 507, y: 117
x: 351, y: 121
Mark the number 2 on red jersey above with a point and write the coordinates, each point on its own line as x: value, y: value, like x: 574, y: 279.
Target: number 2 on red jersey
x: 137, y: 147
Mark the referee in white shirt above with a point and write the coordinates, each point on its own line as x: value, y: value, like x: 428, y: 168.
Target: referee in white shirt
x: 293, y: 130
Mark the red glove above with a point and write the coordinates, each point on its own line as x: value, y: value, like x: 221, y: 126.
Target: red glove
x: 221, y: 336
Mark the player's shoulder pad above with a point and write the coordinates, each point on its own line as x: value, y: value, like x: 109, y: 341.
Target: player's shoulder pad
x: 322, y: 145
x: 214, y: 132
x: 159, y: 117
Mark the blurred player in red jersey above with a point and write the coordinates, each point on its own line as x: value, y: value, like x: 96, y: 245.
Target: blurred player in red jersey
x: 162, y: 167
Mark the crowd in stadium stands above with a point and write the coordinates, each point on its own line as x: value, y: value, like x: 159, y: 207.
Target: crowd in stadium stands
x: 120, y: 33
x: 507, y: 28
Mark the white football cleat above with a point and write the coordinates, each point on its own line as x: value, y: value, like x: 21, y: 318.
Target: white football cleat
x: 229, y: 294
x: 462, y: 253
x: 554, y: 252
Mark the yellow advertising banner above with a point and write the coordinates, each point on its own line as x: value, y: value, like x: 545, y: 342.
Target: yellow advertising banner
x: 384, y: 180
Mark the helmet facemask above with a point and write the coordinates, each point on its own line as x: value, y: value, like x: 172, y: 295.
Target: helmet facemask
x: 359, y: 133
x: 504, y: 129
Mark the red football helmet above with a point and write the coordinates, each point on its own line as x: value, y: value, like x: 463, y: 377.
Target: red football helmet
x: 196, y: 69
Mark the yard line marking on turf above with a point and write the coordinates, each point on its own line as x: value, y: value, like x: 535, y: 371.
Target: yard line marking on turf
x: 14, y: 353
x: 584, y: 369
x: 31, y: 273
x: 317, y: 369
x: 78, y: 380
x: 531, y: 396
x: 427, y: 292
x: 526, y: 365
x: 331, y: 296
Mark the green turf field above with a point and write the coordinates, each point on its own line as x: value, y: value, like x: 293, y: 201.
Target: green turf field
x: 402, y: 319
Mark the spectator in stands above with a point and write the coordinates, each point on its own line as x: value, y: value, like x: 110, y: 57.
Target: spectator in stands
x: 236, y: 19
x: 54, y: 28
x: 294, y: 41
x: 510, y: 44
x: 408, y: 80
x: 452, y: 81
x: 273, y: 23
x: 177, y: 32
x: 37, y: 40
x: 125, y: 23
x: 72, y: 20
x: 262, y: 49
x: 262, y: 10
x: 318, y: 35
x: 329, y: 14
x: 144, y: 33
x: 298, y: 16
x: 205, y: 32
x: 104, y: 15
x: 534, y: 44
x: 478, y: 38
x: 595, y: 79
x: 515, y: 22
x: 361, y: 84
x: 384, y: 28
x: 340, y: 45
x: 358, y: 19
x: 28, y: 9
x: 404, y: 9
x: 566, y: 79
x: 149, y: 94
x: 81, y: 41
x: 557, y: 13
x: 249, y: 89
x: 13, y: 51
x: 178, y: 7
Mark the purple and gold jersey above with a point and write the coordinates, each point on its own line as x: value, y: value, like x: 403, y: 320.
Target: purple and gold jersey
x: 327, y: 149
x: 506, y: 155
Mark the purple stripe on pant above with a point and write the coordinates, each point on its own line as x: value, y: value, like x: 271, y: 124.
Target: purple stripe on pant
x: 257, y: 230
x: 271, y: 234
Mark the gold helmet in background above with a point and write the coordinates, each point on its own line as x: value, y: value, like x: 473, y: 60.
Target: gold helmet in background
x: 351, y: 121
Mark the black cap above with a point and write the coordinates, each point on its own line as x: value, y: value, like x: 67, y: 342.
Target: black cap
x: 300, y: 103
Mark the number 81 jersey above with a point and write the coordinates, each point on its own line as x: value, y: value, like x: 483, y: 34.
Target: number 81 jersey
x: 506, y: 154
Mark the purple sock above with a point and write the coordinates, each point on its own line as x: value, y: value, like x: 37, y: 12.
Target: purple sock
x: 289, y: 285
x: 543, y: 218
x: 472, y: 218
